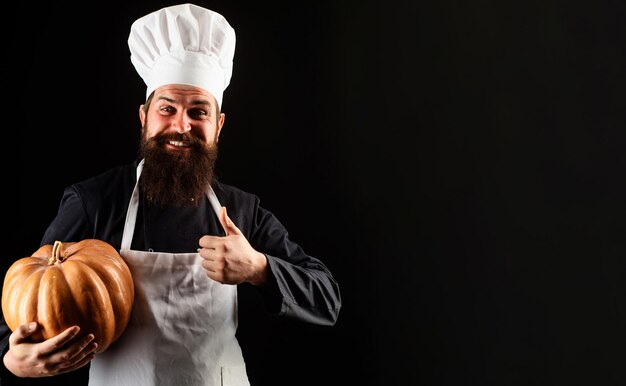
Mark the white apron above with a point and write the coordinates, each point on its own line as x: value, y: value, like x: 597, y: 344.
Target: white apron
x: 182, y: 328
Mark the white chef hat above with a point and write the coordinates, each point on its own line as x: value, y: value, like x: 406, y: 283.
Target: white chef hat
x: 183, y: 44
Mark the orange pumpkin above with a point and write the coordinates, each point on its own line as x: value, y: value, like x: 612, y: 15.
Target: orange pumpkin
x: 85, y: 283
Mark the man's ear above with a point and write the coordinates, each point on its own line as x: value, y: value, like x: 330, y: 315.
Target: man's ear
x: 220, y: 124
x: 142, y: 115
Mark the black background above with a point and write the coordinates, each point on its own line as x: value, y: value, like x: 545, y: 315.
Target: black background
x: 459, y: 166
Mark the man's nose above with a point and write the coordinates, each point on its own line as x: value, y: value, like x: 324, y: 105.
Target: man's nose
x: 182, y: 124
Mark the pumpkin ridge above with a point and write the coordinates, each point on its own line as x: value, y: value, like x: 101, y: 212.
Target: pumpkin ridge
x: 88, y: 289
x: 118, y: 290
x: 19, y: 299
x: 54, y: 312
x: 43, y: 251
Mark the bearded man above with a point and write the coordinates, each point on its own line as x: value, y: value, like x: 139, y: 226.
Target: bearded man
x: 166, y: 214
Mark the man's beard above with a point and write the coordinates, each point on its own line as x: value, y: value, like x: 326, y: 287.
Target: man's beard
x: 176, y: 178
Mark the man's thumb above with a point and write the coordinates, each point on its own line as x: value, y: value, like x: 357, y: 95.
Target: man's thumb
x: 25, y: 330
x: 227, y: 223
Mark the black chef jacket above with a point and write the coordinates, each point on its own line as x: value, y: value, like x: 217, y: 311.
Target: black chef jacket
x: 300, y: 286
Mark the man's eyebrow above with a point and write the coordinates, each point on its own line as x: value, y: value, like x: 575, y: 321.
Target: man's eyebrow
x: 162, y: 97
x: 204, y: 102
x: 197, y: 102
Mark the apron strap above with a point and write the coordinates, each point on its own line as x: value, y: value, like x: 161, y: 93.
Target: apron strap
x: 215, y: 203
x: 131, y: 212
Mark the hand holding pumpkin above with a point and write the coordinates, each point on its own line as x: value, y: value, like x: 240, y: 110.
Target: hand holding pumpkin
x: 60, y: 354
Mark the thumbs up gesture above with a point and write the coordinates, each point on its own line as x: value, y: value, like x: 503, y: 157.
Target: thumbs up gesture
x: 231, y: 259
x: 227, y: 223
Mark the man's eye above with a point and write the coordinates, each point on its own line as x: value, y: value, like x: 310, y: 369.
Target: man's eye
x: 197, y: 114
x: 167, y: 109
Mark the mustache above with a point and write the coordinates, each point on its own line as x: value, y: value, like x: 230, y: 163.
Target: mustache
x: 162, y: 139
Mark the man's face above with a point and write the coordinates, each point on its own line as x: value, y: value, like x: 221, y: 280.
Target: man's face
x: 179, y: 109
x: 179, y: 144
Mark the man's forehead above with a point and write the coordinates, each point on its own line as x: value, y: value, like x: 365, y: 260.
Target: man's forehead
x: 184, y: 94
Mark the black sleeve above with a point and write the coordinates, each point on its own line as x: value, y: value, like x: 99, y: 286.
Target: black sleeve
x: 4, y: 344
x: 71, y: 222
x: 300, y: 286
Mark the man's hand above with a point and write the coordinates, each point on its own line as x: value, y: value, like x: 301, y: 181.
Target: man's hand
x: 60, y: 354
x: 231, y: 259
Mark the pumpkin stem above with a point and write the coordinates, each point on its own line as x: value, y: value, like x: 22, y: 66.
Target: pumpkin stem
x: 57, y: 256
